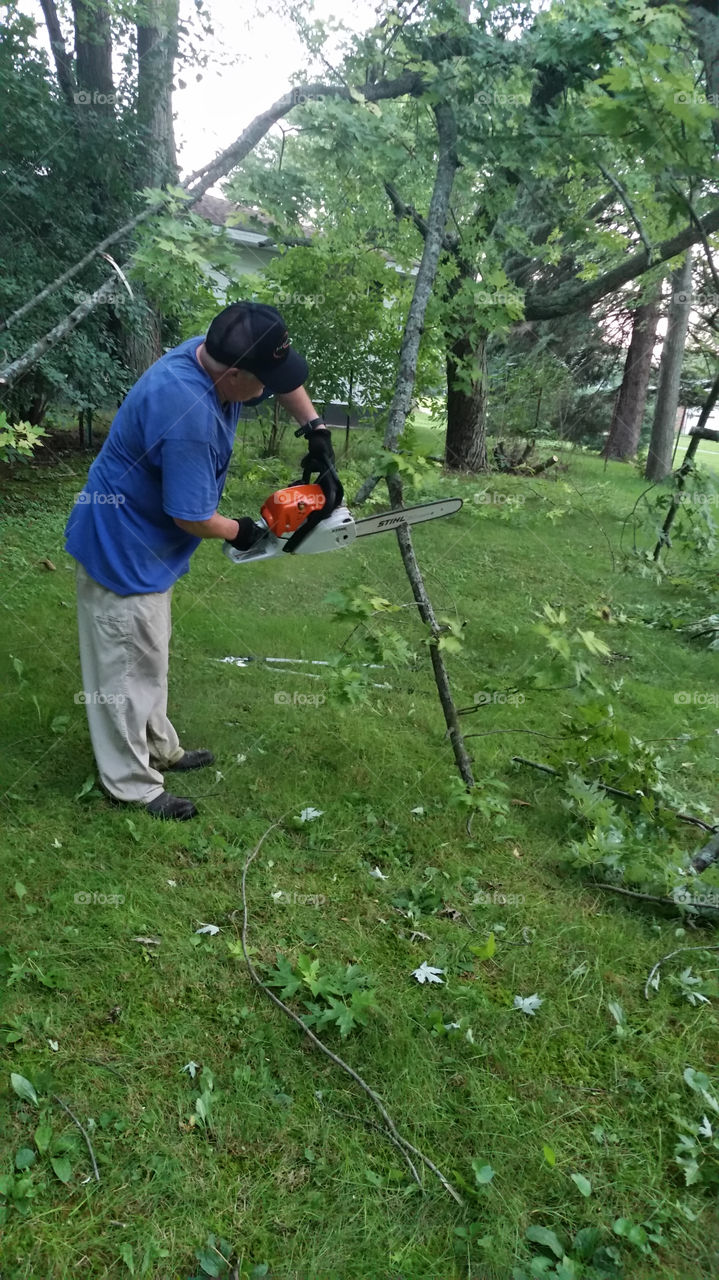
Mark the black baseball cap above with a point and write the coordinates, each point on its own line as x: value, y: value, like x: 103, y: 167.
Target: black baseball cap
x: 253, y: 336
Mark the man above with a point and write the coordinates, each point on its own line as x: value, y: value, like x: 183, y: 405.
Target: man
x: 151, y: 496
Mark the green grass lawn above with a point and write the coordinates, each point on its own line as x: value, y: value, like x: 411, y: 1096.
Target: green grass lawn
x: 707, y: 454
x: 290, y: 1167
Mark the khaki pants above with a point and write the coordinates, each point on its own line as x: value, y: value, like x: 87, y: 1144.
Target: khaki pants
x: 124, y: 654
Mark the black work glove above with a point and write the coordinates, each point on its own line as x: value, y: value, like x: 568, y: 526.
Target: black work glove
x: 320, y: 459
x: 248, y: 533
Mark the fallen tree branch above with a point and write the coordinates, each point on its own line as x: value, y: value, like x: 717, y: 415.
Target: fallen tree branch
x: 75, y: 1120
x: 708, y: 854
x: 567, y: 299
x: 651, y: 897
x: 408, y: 84
x: 615, y: 791
x: 405, y: 1146
x: 671, y: 954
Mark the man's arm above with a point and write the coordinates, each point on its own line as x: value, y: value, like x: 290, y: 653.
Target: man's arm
x: 216, y: 527
x: 302, y: 409
x: 299, y: 405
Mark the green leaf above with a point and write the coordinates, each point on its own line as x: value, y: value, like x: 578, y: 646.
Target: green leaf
x: 43, y: 1136
x: 23, y: 1088
x: 549, y: 1156
x: 61, y: 1168
x: 127, y: 1257
x: 450, y: 644
x: 24, y: 1158
x: 20, y: 889
x: 85, y: 789
x: 594, y: 644
x: 485, y: 950
x: 582, y: 1184
x: 586, y: 1242
x: 543, y: 1236
x: 483, y: 1173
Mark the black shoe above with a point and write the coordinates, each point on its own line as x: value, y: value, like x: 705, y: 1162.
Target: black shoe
x: 168, y: 806
x: 190, y: 760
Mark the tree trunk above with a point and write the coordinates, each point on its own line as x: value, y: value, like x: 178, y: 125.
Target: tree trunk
x: 466, y: 442
x: 156, y: 53
x: 63, y: 63
x: 704, y: 18
x: 659, y: 461
x: 93, y: 55
x: 629, y: 410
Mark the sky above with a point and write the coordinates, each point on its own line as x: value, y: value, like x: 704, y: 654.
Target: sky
x: 253, y: 54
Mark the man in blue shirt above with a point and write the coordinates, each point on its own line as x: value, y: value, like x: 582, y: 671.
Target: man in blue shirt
x: 151, y: 496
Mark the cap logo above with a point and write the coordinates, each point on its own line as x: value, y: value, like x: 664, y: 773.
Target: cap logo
x: 280, y: 351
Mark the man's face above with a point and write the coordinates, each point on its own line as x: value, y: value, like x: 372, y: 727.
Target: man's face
x: 238, y: 384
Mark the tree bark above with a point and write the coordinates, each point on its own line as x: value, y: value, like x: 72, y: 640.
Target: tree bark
x: 156, y: 53
x: 659, y: 460
x: 704, y: 18
x: 93, y: 54
x: 63, y: 62
x: 629, y: 410
x: 466, y: 440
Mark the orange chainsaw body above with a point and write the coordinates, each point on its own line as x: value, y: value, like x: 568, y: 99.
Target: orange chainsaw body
x: 287, y: 509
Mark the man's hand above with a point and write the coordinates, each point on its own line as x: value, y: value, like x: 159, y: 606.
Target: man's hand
x: 320, y: 454
x: 248, y: 533
x: 320, y: 458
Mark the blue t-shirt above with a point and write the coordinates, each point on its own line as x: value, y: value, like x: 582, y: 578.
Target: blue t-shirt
x: 166, y: 455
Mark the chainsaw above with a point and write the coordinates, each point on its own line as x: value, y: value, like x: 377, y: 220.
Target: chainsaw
x: 292, y: 521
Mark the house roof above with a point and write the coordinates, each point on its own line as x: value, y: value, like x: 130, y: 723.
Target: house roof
x: 245, y: 219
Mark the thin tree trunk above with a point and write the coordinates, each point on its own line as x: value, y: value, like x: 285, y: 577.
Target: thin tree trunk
x: 466, y: 440
x: 401, y: 402
x: 705, y: 21
x: 659, y: 460
x: 63, y: 62
x: 628, y: 414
